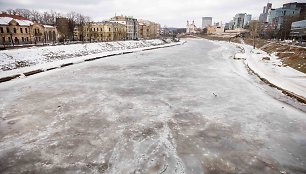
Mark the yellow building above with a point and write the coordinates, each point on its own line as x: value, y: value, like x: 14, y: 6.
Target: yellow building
x: 148, y: 29
x: 14, y: 30
x: 101, y: 31
x: 17, y: 30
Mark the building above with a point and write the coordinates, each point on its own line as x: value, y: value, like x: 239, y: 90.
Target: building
x: 300, y: 6
x: 264, y: 15
x: 131, y: 26
x: 148, y: 29
x: 241, y: 20
x: 191, y: 27
x: 50, y: 34
x: 101, y: 32
x: 206, y: 21
x: 215, y: 29
x: 17, y: 30
x: 227, y: 26
x: 247, y: 20
x: 298, y: 30
x: 276, y: 16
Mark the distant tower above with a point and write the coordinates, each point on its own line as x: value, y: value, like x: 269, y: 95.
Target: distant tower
x: 187, y: 27
x: 206, y: 21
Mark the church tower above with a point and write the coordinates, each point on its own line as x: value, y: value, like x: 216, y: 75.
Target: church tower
x: 187, y: 27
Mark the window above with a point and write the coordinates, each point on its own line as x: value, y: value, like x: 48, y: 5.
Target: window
x: 101, y: 29
x: 22, y: 38
x: 1, y: 29
x: 15, y: 31
x: 21, y: 31
x: 7, y: 29
x: 3, y: 39
x: 27, y: 39
x: 9, y: 38
x: 26, y: 30
x: 109, y: 29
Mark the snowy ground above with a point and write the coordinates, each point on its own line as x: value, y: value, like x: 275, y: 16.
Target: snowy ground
x: 269, y: 67
x: 17, y: 58
x: 185, y: 109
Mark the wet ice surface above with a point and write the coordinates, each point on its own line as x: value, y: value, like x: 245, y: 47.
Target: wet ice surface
x: 150, y: 112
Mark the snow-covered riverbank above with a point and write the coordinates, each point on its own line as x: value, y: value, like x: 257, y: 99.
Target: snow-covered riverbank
x: 41, y: 59
x: 270, y: 69
x: 17, y: 58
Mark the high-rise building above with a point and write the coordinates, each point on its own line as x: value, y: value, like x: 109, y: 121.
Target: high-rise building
x: 264, y: 15
x: 241, y: 20
x: 206, y: 21
x: 277, y: 16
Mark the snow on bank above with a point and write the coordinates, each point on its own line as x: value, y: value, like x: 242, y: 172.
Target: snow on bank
x: 57, y: 63
x: 270, y: 68
x: 16, y: 58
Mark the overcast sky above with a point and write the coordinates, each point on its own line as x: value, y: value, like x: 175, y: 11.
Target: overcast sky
x: 173, y: 13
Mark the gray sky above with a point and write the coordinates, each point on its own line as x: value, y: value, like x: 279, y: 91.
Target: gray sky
x: 167, y: 12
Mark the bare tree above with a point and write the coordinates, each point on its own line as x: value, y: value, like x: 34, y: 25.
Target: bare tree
x: 36, y: 16
x: 72, y: 22
x: 11, y: 11
x: 254, y: 28
x: 24, y: 13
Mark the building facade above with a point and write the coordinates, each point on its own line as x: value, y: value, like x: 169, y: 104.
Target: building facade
x: 190, y: 27
x: 264, y: 15
x: 215, y: 29
x: 148, y: 29
x: 101, y: 32
x: 276, y: 16
x: 241, y: 20
x: 17, y: 30
x: 131, y: 26
x: 206, y: 21
x: 298, y: 30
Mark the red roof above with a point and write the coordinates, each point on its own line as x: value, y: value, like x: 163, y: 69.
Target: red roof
x: 13, y: 16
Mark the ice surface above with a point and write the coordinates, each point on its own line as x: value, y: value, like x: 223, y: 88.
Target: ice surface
x: 150, y: 112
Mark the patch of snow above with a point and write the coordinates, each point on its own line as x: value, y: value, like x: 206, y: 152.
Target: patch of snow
x: 7, y: 20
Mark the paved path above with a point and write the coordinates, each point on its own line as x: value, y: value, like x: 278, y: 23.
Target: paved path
x: 185, y: 109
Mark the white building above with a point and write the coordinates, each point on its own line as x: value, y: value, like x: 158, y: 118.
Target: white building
x: 206, y: 21
x: 131, y: 26
x: 190, y: 28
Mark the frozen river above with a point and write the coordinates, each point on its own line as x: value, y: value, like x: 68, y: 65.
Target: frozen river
x: 186, y: 109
